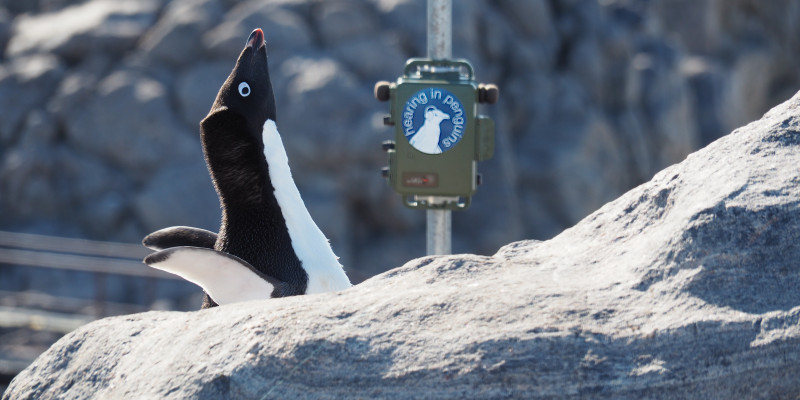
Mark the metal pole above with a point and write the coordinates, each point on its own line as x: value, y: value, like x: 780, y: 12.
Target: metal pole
x: 439, y: 228
x: 440, y: 28
x: 440, y: 15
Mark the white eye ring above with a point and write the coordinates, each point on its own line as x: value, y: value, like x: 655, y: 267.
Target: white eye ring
x: 244, y: 89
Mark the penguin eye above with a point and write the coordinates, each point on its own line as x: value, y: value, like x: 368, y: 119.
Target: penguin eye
x: 244, y: 89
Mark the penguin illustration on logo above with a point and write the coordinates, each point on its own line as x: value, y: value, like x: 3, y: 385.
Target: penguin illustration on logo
x: 268, y: 245
x: 433, y: 120
x: 427, y: 138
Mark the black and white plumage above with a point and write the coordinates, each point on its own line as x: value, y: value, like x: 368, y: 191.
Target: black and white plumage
x: 268, y: 245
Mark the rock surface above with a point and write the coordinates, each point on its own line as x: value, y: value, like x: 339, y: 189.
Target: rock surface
x: 684, y: 287
x: 596, y: 97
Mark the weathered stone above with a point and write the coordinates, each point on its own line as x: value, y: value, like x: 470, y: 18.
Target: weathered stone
x: 26, y: 191
x: 747, y: 87
x: 371, y: 58
x: 595, y: 98
x: 684, y: 287
x: 696, y: 23
x: 197, y: 88
x: 706, y: 82
x: 107, y: 26
x: 25, y: 83
x: 77, y: 88
x: 339, y: 21
x: 130, y: 123
x: 284, y: 30
x: 94, y: 192
x: 532, y: 17
x: 5, y: 30
x: 40, y: 181
x: 177, y: 37
x: 409, y: 19
x: 179, y: 195
x: 302, y: 88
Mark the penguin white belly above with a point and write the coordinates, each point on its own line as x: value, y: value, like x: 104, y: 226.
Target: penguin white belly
x: 427, y: 139
x: 324, y: 272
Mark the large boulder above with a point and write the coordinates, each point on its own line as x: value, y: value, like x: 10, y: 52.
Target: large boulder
x: 684, y: 287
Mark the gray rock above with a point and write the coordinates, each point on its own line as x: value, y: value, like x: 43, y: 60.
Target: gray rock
x: 197, y: 88
x: 26, y: 190
x: 372, y: 58
x: 747, y: 88
x: 40, y: 180
x: 339, y: 21
x: 285, y: 30
x: 28, y: 172
x: 317, y: 128
x: 695, y: 23
x: 77, y: 88
x: 25, y: 83
x: 5, y: 30
x: 39, y: 128
x: 177, y: 37
x: 409, y: 19
x: 107, y: 26
x: 706, y: 82
x: 684, y: 287
x: 130, y: 123
x: 531, y: 17
x: 179, y: 195
x: 97, y: 194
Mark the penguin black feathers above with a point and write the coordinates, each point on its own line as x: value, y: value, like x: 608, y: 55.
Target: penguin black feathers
x: 268, y: 245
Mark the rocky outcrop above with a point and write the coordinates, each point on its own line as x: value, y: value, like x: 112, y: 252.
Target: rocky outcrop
x: 684, y: 287
x: 101, y: 101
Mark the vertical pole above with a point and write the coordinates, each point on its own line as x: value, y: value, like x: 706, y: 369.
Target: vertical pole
x: 440, y: 15
x: 439, y: 228
x: 440, y: 29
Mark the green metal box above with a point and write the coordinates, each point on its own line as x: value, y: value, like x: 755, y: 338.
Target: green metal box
x: 438, y: 135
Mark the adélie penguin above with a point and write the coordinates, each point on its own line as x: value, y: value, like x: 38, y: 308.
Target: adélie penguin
x: 268, y: 245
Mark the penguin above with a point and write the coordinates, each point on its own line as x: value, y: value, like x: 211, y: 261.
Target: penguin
x: 267, y: 246
x: 427, y: 138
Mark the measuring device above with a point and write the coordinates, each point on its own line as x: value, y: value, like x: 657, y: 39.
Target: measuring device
x: 439, y: 136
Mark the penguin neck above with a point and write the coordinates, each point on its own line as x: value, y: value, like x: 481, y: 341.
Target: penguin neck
x: 233, y: 153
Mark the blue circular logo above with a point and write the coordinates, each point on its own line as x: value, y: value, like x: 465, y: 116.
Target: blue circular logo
x: 433, y: 120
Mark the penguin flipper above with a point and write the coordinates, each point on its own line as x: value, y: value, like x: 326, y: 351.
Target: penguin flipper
x: 225, y: 277
x: 176, y: 236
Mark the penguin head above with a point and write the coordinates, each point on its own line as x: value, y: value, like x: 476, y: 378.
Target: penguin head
x: 434, y: 114
x: 231, y: 133
x: 248, y: 90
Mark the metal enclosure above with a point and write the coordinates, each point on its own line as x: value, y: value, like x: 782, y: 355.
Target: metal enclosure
x: 438, y: 135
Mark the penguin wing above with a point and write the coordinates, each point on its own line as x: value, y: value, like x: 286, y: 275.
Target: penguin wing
x: 225, y: 277
x: 176, y: 236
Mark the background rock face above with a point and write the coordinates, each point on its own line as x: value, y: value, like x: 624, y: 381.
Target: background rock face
x: 101, y: 101
x: 684, y: 287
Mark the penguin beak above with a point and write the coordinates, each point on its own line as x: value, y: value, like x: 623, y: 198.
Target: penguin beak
x: 256, y: 39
